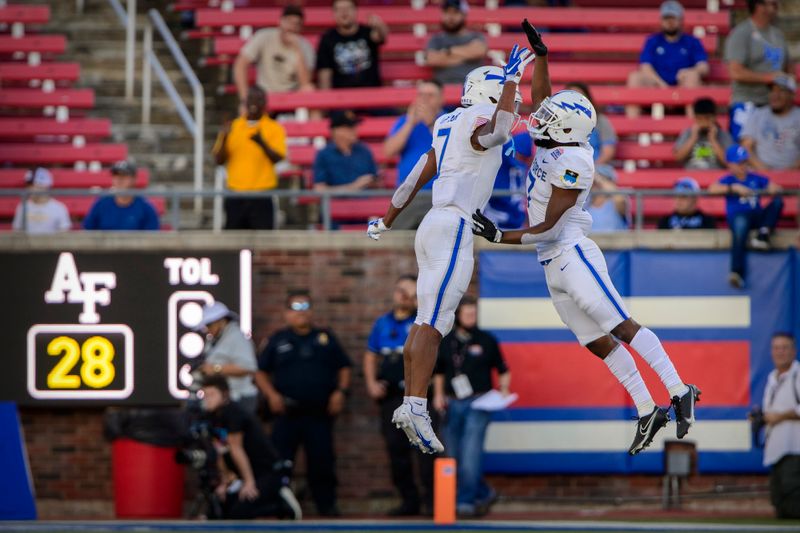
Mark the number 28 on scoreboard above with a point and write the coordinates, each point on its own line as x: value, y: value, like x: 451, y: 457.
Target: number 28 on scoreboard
x: 80, y: 361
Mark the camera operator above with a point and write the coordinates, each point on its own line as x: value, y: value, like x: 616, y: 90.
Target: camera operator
x: 229, y: 353
x: 782, y: 418
x: 250, y: 486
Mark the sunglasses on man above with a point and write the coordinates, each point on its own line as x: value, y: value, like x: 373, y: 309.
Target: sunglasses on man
x: 300, y: 306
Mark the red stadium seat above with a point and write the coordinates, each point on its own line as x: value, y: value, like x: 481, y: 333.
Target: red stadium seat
x: 320, y: 17
x: 714, y: 206
x: 51, y: 154
x: 43, y: 71
x: 14, y: 178
x: 36, y: 98
x: 26, y: 14
x: 666, y: 178
x: 45, y: 44
x: 78, y: 206
x: 16, y: 128
x: 358, y: 208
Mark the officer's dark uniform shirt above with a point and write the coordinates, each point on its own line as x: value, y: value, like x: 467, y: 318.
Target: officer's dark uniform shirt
x: 304, y: 368
x: 474, y: 356
x: 386, y: 341
x: 231, y: 418
x: 697, y: 220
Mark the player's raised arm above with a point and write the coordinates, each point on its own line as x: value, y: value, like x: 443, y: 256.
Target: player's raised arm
x: 420, y: 175
x: 497, y: 131
x: 540, y: 88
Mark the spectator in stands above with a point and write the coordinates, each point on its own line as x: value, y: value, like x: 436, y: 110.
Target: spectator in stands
x: 756, y: 52
x: 284, y: 58
x: 772, y: 133
x: 345, y: 164
x: 608, y: 210
x: 454, y: 52
x: 123, y: 210
x: 347, y: 55
x: 305, y: 376
x: 603, y: 138
x: 384, y: 378
x: 262, y: 492
x: 229, y: 353
x: 781, y: 414
x: 42, y: 213
x: 670, y: 57
x: 702, y: 145
x: 509, y: 212
x: 743, y: 190
x: 249, y: 147
x: 463, y: 372
x: 686, y: 214
x: 410, y: 137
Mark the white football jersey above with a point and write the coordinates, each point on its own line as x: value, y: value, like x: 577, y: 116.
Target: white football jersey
x: 466, y: 175
x: 565, y: 167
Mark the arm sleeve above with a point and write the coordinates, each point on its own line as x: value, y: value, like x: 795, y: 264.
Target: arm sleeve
x: 370, y: 160
x: 647, y: 52
x: 606, y: 131
x: 397, y: 125
x: 321, y: 170
x: 497, y: 356
x: 751, y: 126
x: 308, y: 53
x: 150, y: 221
x: 266, y: 361
x: 736, y: 46
x: 325, y: 52
x: 64, y: 222
x: 374, y: 338
x: 91, y: 220
x: 275, y: 136
x: 523, y: 144
x: 727, y: 180
x: 570, y: 172
x: 698, y: 51
x: 434, y: 43
x: 724, y: 138
x: 682, y: 137
x: 254, y: 46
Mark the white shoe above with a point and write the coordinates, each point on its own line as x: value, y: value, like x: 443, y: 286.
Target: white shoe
x: 417, y: 427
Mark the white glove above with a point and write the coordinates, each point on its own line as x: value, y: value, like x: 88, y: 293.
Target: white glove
x: 375, y: 228
x: 518, y: 59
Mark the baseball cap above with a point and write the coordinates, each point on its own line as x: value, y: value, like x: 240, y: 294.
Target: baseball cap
x: 123, y: 168
x: 784, y: 81
x: 215, y: 311
x: 39, y: 177
x: 457, y: 4
x: 343, y: 118
x: 687, y: 183
x: 292, y: 10
x: 736, y: 154
x: 671, y: 8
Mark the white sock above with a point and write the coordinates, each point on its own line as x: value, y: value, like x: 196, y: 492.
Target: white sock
x: 621, y: 364
x: 649, y: 347
x: 420, y: 405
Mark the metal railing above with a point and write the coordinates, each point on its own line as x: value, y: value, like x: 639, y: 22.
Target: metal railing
x: 195, y: 124
x: 173, y: 197
x: 128, y: 20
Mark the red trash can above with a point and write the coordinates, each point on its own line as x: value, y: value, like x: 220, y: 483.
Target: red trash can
x: 148, y: 483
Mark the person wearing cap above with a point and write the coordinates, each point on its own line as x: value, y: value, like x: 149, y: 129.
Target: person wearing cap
x: 756, y: 52
x: 743, y: 189
x: 455, y: 51
x: 702, y: 145
x: 284, y: 58
x: 609, y: 211
x: 305, y: 376
x: 348, y: 54
x: 40, y: 213
x: 686, y: 214
x: 229, y: 353
x: 345, y: 164
x: 772, y: 133
x: 670, y: 57
x: 122, y: 211
x: 250, y: 147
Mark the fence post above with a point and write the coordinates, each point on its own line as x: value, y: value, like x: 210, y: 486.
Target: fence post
x: 147, y: 73
x: 130, y: 49
x: 175, y: 210
x: 326, y: 211
x: 639, y: 211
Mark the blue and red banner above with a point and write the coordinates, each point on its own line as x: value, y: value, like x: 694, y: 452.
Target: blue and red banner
x: 573, y: 416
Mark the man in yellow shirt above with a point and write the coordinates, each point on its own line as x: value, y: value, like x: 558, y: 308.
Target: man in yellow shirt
x: 249, y: 147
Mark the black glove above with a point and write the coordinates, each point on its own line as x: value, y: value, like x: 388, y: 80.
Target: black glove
x: 534, y: 38
x: 484, y: 227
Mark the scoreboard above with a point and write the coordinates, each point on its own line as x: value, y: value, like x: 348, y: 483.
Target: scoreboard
x: 111, y: 328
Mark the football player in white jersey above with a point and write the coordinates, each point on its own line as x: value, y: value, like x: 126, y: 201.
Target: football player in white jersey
x: 466, y: 155
x: 559, y: 181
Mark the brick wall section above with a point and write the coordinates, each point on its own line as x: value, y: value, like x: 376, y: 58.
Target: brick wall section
x: 350, y: 288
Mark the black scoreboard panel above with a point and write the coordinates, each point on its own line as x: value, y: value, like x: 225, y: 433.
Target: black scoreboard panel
x: 110, y: 328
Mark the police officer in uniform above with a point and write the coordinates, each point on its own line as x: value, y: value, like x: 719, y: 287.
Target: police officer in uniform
x: 463, y: 372
x: 305, y: 376
x: 383, y: 374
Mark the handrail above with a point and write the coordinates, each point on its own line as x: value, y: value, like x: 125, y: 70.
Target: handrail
x: 195, y: 124
x: 129, y: 21
x: 175, y: 194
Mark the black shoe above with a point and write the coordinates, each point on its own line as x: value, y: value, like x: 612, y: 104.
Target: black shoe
x: 647, y: 427
x: 684, y: 410
x: 404, y: 509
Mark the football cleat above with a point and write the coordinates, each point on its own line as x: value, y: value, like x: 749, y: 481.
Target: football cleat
x: 684, y: 410
x: 417, y: 427
x: 647, y: 427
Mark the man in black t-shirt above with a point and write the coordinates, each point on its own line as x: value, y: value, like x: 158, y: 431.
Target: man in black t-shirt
x: 305, y: 376
x: 463, y: 372
x: 686, y: 214
x: 347, y: 55
x: 247, y: 459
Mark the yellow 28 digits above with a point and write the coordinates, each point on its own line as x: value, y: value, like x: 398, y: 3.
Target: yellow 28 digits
x: 97, y: 370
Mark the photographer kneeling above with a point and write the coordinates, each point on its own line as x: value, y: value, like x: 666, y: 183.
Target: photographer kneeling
x: 253, y: 484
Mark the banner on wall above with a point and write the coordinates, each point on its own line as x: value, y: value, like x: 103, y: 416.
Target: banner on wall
x: 574, y: 417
